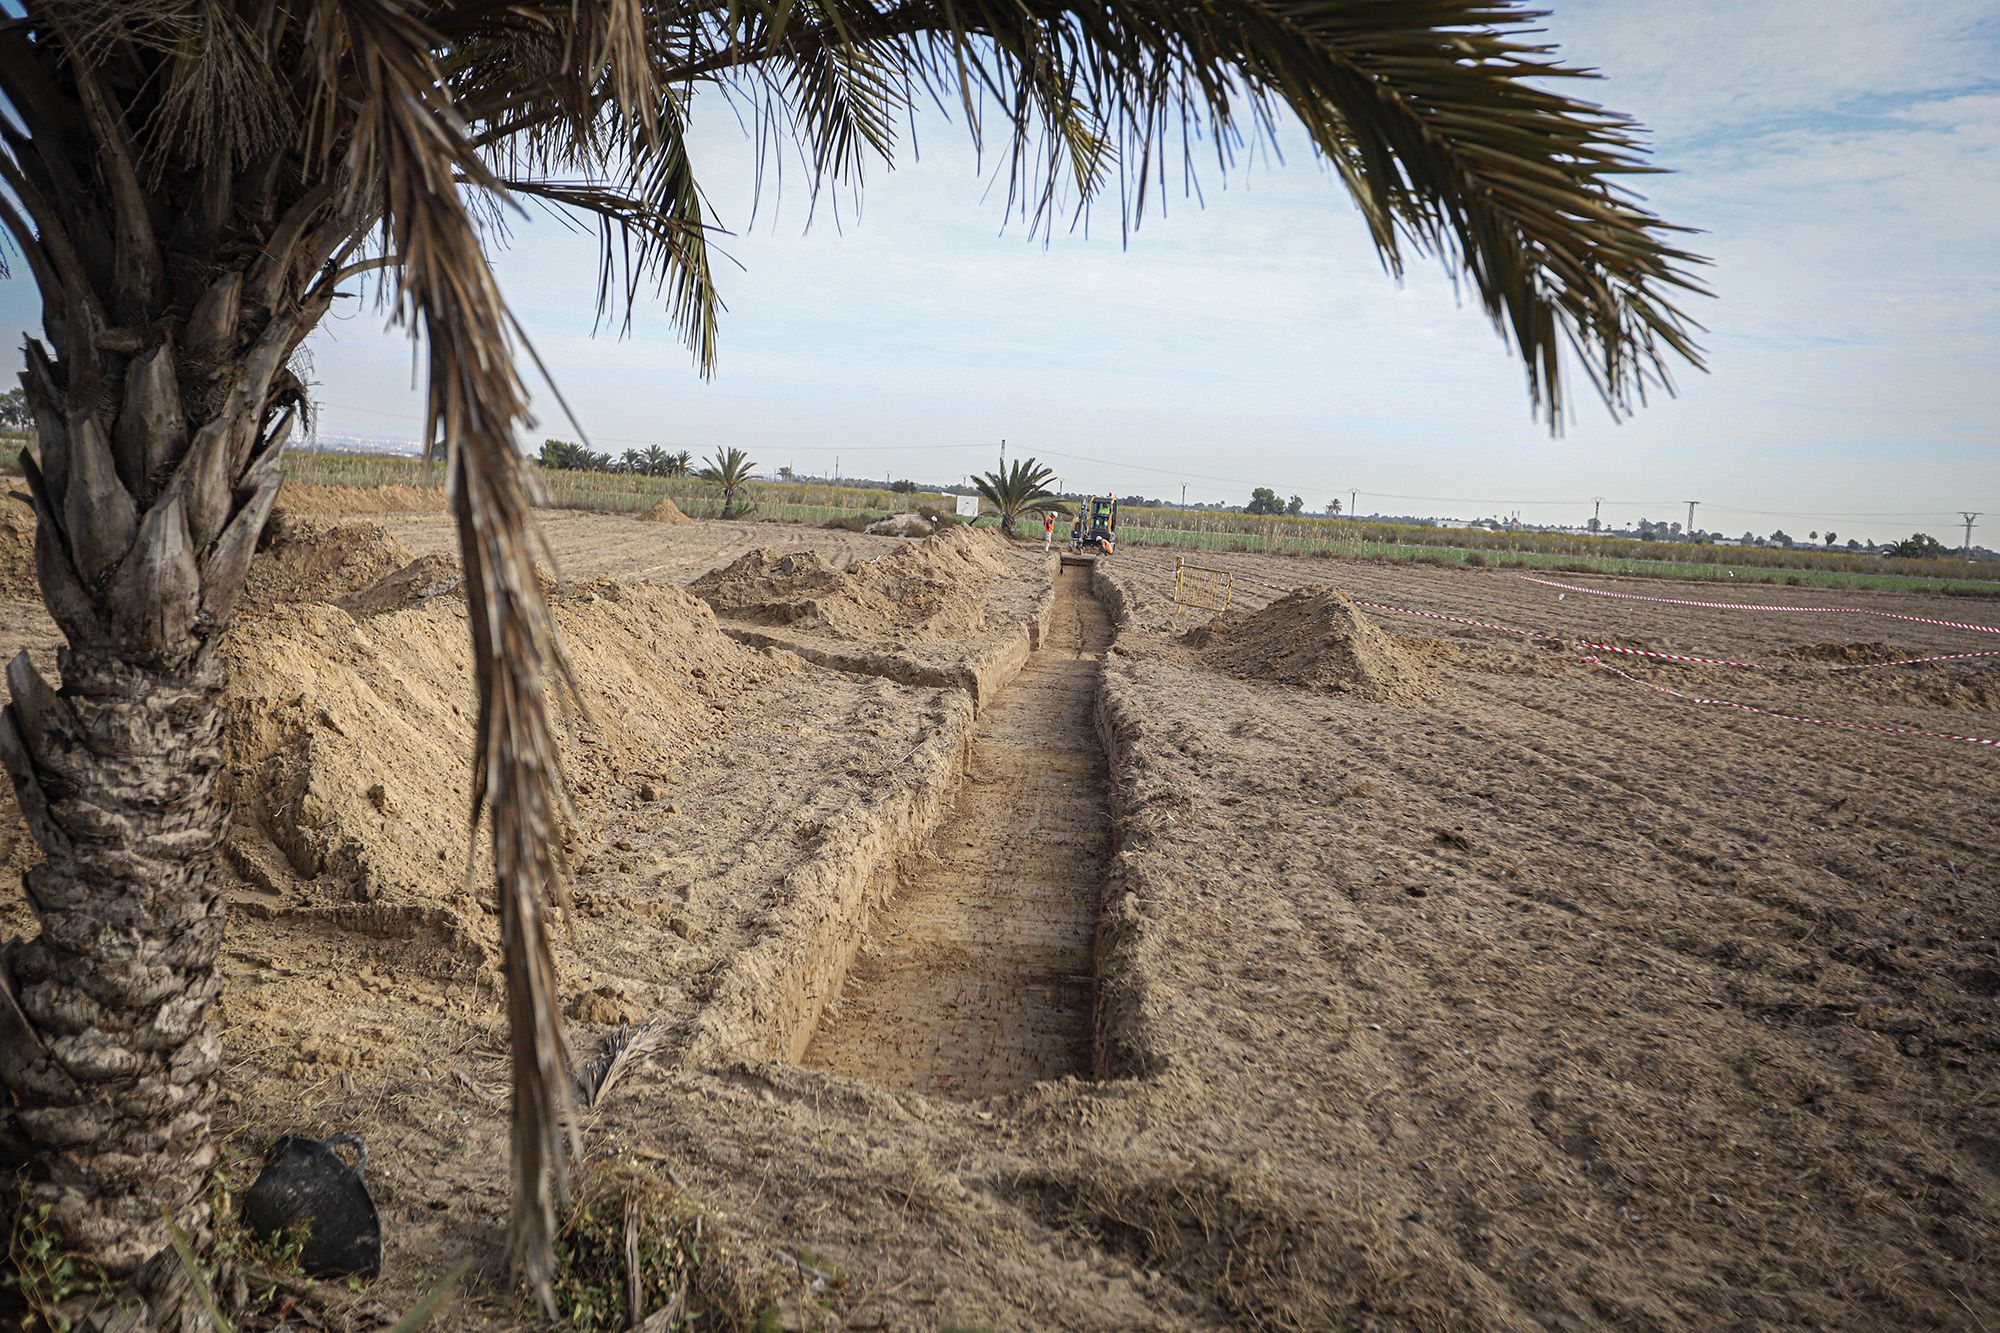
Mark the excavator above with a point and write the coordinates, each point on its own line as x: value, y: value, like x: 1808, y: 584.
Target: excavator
x: 1095, y: 531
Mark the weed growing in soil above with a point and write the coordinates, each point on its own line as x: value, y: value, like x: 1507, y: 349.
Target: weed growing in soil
x: 43, y: 1276
x: 632, y: 1246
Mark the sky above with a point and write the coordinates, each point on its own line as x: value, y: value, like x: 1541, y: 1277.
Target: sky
x: 1841, y: 159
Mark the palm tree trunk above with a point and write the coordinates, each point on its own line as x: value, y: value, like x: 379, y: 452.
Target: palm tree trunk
x: 147, y: 518
x: 729, y: 502
x: 117, y: 775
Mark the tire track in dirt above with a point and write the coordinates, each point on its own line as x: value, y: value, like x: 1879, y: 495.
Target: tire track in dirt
x: 977, y: 977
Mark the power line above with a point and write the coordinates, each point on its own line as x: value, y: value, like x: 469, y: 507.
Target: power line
x: 687, y: 444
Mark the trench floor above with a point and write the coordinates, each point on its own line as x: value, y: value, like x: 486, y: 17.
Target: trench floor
x: 977, y: 976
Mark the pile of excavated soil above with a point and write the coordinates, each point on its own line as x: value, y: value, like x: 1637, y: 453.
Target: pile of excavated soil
x: 17, y: 550
x: 334, y: 501
x: 933, y: 588
x: 312, y: 560
x: 666, y: 511
x: 350, y: 740
x: 414, y: 584
x: 1317, y: 638
x: 901, y: 525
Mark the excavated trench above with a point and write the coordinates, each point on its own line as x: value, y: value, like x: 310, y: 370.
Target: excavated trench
x: 976, y: 975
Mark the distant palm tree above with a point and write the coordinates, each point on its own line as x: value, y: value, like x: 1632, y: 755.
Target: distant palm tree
x: 678, y: 464
x: 1334, y: 508
x: 730, y: 469
x: 191, y: 186
x: 654, y: 461
x: 1021, y: 486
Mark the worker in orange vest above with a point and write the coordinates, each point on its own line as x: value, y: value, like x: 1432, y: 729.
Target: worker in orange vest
x: 1048, y: 529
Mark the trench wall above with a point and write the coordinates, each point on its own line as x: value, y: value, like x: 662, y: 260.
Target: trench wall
x: 768, y: 999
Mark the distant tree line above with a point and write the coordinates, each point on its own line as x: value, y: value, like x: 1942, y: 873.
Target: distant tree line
x: 652, y: 461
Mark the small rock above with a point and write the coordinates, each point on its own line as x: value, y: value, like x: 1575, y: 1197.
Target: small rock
x: 682, y: 927
x: 623, y: 844
x: 648, y: 792
x: 378, y: 796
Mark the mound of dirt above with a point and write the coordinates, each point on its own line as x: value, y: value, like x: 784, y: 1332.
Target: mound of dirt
x: 336, y: 501
x: 666, y: 511
x: 17, y: 550
x: 308, y: 560
x: 1317, y: 638
x: 414, y: 584
x: 901, y: 525
x: 349, y: 742
x: 932, y: 589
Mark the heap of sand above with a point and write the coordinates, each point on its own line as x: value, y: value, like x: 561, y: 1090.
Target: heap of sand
x: 1315, y: 637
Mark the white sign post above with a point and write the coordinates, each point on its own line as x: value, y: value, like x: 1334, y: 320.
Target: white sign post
x: 968, y: 506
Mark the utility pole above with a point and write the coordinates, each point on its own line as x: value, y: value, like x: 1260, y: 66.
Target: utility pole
x: 1184, y: 495
x: 1596, y: 512
x: 1966, y: 550
x: 1003, y: 453
x: 1691, y: 505
x: 836, y: 469
x: 1352, y: 496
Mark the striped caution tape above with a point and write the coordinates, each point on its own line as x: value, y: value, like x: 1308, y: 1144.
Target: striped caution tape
x: 1914, y: 661
x: 1759, y: 606
x: 1456, y: 620
x: 1781, y: 666
x: 1677, y: 657
x: 1877, y: 727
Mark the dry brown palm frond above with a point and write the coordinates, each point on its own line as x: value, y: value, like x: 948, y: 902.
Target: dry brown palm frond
x: 618, y: 1052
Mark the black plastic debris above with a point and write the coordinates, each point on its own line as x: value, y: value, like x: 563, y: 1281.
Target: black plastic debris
x: 307, y: 1180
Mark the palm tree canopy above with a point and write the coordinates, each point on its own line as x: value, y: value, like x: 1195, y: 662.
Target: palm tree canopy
x: 1022, y: 484
x: 729, y: 468
x: 221, y: 167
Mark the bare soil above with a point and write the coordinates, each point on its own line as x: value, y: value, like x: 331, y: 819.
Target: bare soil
x: 978, y: 976
x: 1529, y: 998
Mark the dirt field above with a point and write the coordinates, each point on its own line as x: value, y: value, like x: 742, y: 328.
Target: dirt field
x: 978, y: 977
x: 1400, y: 973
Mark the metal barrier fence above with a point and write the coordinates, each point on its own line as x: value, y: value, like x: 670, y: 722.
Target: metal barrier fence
x: 1201, y: 588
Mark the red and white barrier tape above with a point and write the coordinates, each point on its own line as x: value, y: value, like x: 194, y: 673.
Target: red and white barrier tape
x: 1677, y: 657
x: 1913, y: 661
x: 1456, y: 620
x: 1755, y: 606
x: 1794, y: 717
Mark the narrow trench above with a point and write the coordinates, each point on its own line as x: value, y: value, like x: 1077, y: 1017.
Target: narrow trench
x: 978, y: 973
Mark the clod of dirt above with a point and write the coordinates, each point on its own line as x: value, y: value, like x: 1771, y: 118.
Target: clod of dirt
x: 1317, y: 638
x: 901, y: 525
x: 666, y: 511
